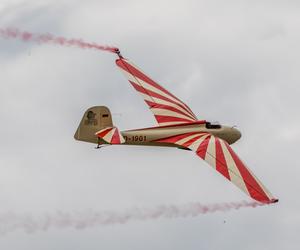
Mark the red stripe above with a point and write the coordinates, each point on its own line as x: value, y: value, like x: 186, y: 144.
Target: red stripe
x: 191, y: 141
x: 104, y: 133
x: 116, y: 137
x: 174, y: 139
x: 153, y: 94
x: 253, y: 187
x: 221, y: 165
x: 167, y: 107
x: 145, y: 78
x: 134, y: 71
x: 163, y: 118
x: 201, y: 151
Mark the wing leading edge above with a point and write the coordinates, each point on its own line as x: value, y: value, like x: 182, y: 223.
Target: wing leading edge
x: 219, y: 155
x: 166, y: 107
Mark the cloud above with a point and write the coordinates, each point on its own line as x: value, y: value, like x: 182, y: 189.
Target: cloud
x: 236, y: 62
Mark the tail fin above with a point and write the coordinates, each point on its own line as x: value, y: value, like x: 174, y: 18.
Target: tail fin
x: 94, y: 119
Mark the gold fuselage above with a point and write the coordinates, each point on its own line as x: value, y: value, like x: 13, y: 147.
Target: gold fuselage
x: 150, y: 136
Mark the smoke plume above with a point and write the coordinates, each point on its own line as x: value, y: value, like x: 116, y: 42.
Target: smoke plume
x: 10, y: 222
x: 12, y: 33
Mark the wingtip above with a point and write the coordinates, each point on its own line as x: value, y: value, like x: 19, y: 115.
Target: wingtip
x: 118, y: 52
x: 274, y: 200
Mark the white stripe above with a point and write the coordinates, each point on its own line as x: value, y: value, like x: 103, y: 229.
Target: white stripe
x: 159, y: 101
x: 210, y: 156
x: 166, y: 112
x: 108, y: 136
x: 164, y: 102
x: 185, y: 139
x: 102, y: 130
x: 146, y: 97
x: 233, y: 171
x: 194, y: 146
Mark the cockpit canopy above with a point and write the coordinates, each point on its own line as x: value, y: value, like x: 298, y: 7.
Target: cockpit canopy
x: 213, y: 125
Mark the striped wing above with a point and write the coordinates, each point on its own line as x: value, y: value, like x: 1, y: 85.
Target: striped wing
x: 167, y: 108
x: 111, y: 135
x: 219, y: 155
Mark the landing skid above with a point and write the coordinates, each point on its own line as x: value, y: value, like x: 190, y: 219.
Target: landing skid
x: 101, y: 146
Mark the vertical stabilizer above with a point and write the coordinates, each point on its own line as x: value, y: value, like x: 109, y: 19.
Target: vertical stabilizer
x: 94, y: 119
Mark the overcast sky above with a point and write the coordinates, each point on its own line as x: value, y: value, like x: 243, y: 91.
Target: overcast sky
x: 236, y: 62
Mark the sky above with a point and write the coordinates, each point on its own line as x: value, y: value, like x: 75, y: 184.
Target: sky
x: 235, y: 62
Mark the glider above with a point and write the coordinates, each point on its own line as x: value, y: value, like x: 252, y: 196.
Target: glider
x: 177, y: 127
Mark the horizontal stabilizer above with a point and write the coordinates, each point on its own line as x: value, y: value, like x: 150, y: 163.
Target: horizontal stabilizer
x: 111, y: 135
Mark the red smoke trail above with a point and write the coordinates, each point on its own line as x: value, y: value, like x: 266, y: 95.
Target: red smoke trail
x: 10, y: 222
x: 25, y: 36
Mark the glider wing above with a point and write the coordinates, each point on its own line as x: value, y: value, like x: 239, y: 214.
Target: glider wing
x: 166, y: 107
x: 219, y: 155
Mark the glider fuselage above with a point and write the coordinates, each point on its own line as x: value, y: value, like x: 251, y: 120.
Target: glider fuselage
x: 151, y: 136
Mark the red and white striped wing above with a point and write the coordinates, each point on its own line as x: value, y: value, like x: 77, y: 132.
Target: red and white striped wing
x: 111, y: 135
x: 167, y: 108
x: 218, y: 154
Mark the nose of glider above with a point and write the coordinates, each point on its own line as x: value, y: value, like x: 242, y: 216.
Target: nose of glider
x: 236, y: 134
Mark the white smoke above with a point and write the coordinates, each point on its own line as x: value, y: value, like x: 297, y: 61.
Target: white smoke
x: 10, y: 221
